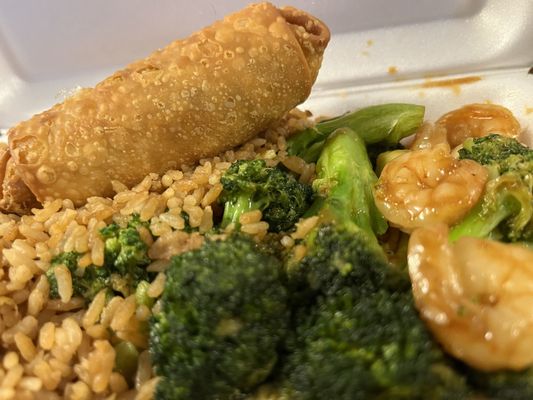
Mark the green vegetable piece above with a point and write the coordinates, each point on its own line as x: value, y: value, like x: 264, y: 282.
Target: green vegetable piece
x: 344, y: 182
x: 141, y: 294
x: 386, y: 124
x: 357, y: 333
x: 251, y: 185
x: 223, y: 317
x: 126, y: 360
x: 86, y: 282
x: 125, y: 259
x: 386, y: 157
x: 505, y: 210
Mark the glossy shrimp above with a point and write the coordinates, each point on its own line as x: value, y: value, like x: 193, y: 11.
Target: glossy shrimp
x: 422, y: 187
x: 476, y: 120
x: 472, y: 120
x: 476, y: 296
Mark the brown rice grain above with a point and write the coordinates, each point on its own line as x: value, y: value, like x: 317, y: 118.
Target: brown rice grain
x: 206, y: 223
x: 250, y: 217
x: 67, y: 204
x: 96, y: 369
x: 190, y: 200
x: 294, y: 164
x: 49, y: 208
x: 118, y: 186
x: 85, y: 260
x: 12, y: 378
x: 10, y: 360
x: 211, y: 195
x: 78, y: 390
x: 31, y: 383
x: 75, y: 303
x: 175, y: 221
x: 64, y: 367
x: 183, y: 187
x: 97, y: 332
x: 304, y: 226
x: 149, y: 209
x: 23, y: 247
x: 134, y: 335
x: 64, y: 282
x: 7, y: 393
x: 47, y: 336
x: 195, y: 214
x: 158, y: 266
x: 157, y: 286
x: 25, y: 346
x: 95, y: 309
x: 142, y: 313
x: 256, y: 228
x: 174, y: 202
x: 49, y: 377
x: 307, y: 174
x: 135, y: 205
x: 27, y: 325
x: 117, y: 383
x: 146, y: 391
x: 109, y: 310
x: 299, y: 252
x: 20, y: 296
x: 160, y: 228
x: 8, y: 230
x: 124, y: 197
x: 123, y: 314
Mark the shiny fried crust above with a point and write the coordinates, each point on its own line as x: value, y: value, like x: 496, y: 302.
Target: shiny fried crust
x: 195, y: 98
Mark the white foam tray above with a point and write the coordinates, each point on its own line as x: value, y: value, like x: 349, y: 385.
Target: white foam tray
x: 381, y: 50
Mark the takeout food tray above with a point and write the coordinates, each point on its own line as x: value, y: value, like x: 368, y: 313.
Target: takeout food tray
x: 439, y: 54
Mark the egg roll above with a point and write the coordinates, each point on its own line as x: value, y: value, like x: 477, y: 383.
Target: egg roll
x: 195, y: 98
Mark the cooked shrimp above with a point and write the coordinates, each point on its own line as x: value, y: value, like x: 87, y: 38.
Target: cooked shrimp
x: 422, y: 187
x: 476, y: 296
x: 476, y: 120
x: 428, y: 136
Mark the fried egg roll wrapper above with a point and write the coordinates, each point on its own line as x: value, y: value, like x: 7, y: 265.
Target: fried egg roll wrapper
x: 16, y: 196
x: 192, y: 99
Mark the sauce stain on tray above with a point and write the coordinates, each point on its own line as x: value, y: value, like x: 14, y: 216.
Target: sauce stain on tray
x: 453, y: 84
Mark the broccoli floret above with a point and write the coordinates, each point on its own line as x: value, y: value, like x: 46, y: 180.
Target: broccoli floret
x: 358, y: 334
x: 125, y: 255
x: 385, y: 124
x: 251, y: 185
x: 358, y: 345
x: 223, y: 316
x: 503, y: 385
x: 86, y: 282
x: 125, y: 259
x: 505, y: 210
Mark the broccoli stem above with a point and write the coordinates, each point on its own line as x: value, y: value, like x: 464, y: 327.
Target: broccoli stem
x: 386, y: 157
x: 235, y: 208
x: 506, y: 198
x: 387, y: 124
x: 479, y: 223
x: 345, y: 178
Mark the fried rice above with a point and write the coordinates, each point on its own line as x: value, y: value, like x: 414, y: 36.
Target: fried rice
x: 64, y: 348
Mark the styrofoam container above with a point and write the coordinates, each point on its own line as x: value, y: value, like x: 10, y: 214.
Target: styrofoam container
x: 438, y: 53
